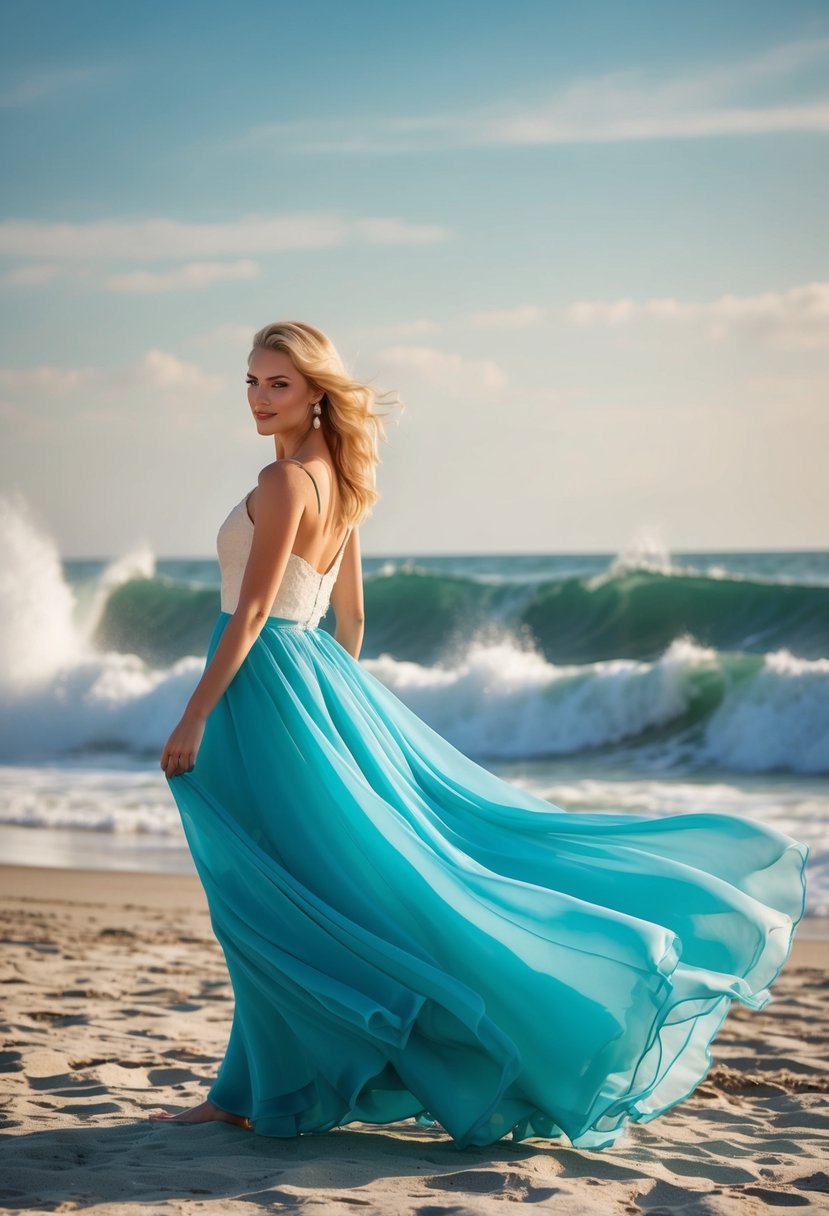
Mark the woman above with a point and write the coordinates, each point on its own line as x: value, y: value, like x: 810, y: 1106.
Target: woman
x: 407, y: 934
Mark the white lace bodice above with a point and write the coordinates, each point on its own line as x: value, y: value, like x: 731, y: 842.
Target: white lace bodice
x: 303, y: 594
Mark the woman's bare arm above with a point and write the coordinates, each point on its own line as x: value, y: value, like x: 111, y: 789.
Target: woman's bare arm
x: 347, y: 598
x: 280, y: 505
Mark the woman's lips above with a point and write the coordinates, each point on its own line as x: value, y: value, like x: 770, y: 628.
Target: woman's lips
x: 258, y: 415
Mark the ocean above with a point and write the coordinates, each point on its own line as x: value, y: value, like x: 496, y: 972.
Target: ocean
x: 645, y: 681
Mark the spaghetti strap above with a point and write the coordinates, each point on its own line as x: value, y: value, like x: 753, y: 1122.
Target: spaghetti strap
x: 310, y: 474
x: 336, y: 560
x: 348, y: 530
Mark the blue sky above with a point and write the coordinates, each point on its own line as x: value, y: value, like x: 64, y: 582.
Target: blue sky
x: 586, y: 243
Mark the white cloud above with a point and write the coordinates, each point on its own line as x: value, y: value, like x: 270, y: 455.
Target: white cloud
x: 33, y: 400
x: 796, y: 319
x: 518, y: 317
x: 159, y: 369
x: 147, y: 240
x: 603, y: 312
x: 43, y: 382
x: 391, y: 231
x: 194, y: 274
x: 33, y: 275
x: 444, y: 369
x: 616, y: 106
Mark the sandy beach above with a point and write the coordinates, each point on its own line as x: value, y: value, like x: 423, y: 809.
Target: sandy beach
x: 116, y: 1001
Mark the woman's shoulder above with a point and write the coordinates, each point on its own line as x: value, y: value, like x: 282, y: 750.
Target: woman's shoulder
x: 321, y: 470
x: 283, y: 476
x: 292, y: 462
x: 277, y: 469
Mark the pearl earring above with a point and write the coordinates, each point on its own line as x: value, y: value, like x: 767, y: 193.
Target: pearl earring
x: 317, y: 412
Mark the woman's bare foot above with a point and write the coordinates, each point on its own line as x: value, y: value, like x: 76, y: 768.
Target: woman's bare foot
x: 205, y: 1112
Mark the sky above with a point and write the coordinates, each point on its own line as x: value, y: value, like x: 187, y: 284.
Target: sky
x: 586, y: 244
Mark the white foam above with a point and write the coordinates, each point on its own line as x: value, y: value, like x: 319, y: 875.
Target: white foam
x: 779, y: 719
x: 504, y: 700
x: 647, y: 551
x: 114, y: 799
x: 57, y: 692
x: 36, y: 605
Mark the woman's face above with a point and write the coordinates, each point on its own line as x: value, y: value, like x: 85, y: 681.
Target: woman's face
x: 278, y: 392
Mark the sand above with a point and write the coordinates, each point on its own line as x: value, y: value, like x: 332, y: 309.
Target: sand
x: 116, y: 1001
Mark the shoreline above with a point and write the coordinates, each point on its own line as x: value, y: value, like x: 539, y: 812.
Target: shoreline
x: 117, y: 1001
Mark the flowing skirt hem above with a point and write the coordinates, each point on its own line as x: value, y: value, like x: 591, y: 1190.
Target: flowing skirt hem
x: 355, y: 936
x: 681, y: 1063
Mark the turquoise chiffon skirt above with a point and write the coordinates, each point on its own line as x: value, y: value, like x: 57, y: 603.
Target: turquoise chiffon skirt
x: 409, y: 936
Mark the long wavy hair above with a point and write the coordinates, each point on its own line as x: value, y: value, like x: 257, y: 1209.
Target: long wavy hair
x: 351, y: 427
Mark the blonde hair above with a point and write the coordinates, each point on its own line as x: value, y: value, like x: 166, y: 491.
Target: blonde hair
x: 350, y: 426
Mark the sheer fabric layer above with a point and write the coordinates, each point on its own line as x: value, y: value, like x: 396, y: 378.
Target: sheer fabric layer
x: 409, y: 935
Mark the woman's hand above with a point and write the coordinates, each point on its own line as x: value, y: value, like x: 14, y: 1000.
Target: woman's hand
x: 181, y: 749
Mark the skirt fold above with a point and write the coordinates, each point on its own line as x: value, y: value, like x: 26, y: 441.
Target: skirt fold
x: 409, y: 936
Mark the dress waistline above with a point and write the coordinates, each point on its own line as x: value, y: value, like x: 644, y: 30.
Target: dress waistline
x: 281, y: 622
